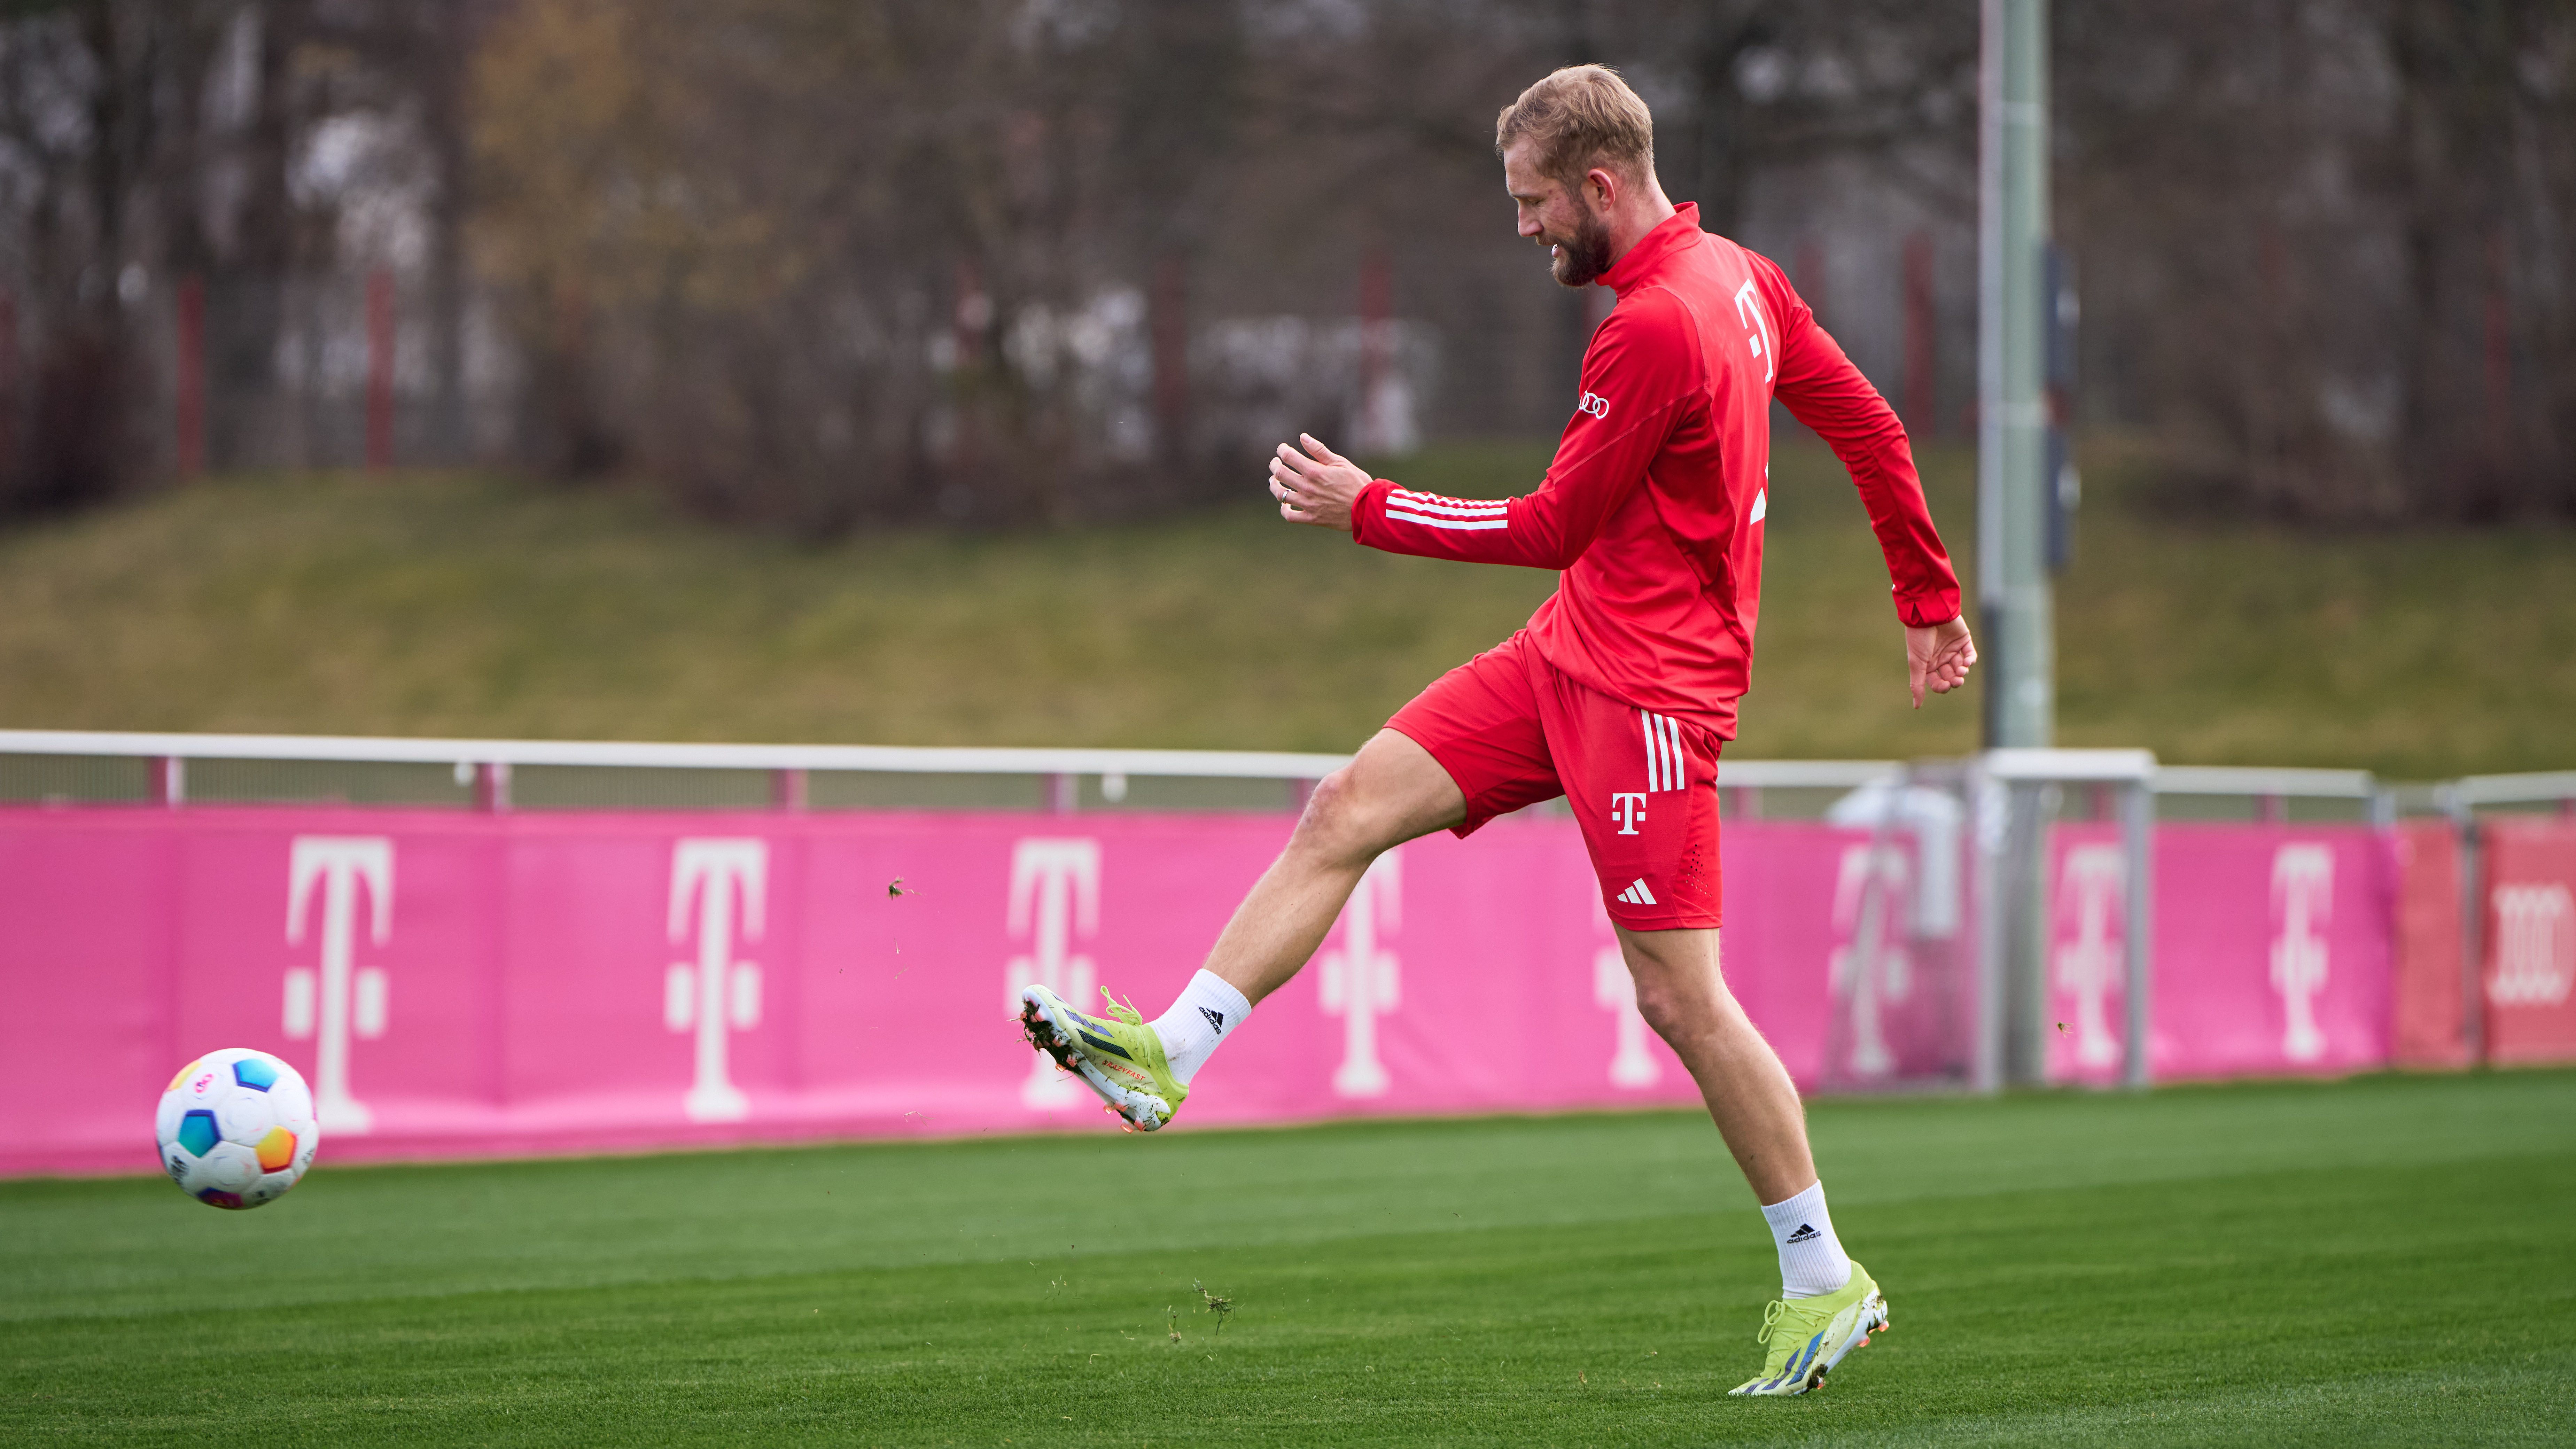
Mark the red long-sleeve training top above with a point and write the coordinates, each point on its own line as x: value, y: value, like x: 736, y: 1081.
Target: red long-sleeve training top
x: 1654, y: 502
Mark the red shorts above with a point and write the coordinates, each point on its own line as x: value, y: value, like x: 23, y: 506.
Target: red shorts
x: 1512, y: 731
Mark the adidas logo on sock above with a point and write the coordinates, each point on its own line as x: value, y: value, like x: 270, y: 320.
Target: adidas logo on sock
x: 1638, y: 895
x: 1215, y: 1019
x: 1804, y: 1234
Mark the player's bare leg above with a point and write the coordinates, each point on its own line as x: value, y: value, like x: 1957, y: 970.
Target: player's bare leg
x: 1682, y: 994
x: 1828, y: 1304
x: 1390, y: 793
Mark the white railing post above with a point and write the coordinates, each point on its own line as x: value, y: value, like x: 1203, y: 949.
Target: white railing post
x: 2138, y: 829
x: 492, y: 787
x: 2457, y: 804
x: 2024, y: 992
x: 1989, y: 820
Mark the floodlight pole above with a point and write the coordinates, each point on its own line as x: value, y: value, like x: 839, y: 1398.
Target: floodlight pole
x: 2014, y: 606
x: 2012, y: 359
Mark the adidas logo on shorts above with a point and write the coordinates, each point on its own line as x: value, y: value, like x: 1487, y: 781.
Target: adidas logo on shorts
x: 1638, y: 895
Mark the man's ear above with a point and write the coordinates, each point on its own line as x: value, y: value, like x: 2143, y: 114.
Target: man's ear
x: 1604, y: 183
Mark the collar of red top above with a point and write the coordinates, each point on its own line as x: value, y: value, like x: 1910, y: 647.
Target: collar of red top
x: 1679, y: 230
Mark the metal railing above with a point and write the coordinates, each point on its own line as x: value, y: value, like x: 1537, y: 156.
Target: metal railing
x: 489, y: 774
x: 2010, y: 796
x: 482, y: 772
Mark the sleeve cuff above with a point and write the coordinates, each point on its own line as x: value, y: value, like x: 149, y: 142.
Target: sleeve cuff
x: 1369, y: 505
x: 1923, y: 611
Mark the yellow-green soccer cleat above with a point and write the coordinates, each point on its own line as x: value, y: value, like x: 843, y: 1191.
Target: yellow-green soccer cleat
x: 1118, y: 1056
x: 1808, y: 1336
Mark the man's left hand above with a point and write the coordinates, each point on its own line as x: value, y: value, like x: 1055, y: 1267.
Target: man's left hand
x: 1939, y: 656
x: 1317, y: 486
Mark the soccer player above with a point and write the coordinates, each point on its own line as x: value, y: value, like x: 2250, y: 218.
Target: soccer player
x: 1621, y: 690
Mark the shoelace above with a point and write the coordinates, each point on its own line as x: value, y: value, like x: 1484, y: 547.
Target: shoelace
x: 1123, y: 1010
x: 1771, y: 1318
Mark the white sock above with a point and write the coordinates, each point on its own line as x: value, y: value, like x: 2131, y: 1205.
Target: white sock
x: 1207, y: 1013
x: 1812, y: 1263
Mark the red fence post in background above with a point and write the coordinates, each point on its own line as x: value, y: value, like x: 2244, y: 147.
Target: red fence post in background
x: 1922, y: 352
x: 2499, y: 350
x: 970, y: 317
x: 191, y: 373
x: 380, y: 370
x: 1167, y: 321
x: 8, y: 383
x: 1377, y: 346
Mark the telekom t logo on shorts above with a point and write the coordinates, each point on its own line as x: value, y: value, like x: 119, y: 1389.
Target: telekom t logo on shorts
x: 1628, y: 809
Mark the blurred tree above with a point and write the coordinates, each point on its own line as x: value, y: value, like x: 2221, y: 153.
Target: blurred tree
x: 2328, y: 267
x: 77, y: 124
x: 153, y: 146
x: 2482, y: 167
x: 815, y: 262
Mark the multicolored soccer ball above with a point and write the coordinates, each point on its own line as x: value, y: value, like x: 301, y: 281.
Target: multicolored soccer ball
x: 236, y: 1128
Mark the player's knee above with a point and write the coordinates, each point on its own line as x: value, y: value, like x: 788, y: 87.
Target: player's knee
x: 1678, y: 998
x: 1341, y: 823
x: 1660, y: 1003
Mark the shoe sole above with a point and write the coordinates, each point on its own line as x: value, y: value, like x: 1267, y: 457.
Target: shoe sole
x: 1872, y: 1319
x: 1136, y: 1111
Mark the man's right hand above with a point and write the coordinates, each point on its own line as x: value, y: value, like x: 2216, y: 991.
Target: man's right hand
x: 1939, y: 656
x: 1317, y: 486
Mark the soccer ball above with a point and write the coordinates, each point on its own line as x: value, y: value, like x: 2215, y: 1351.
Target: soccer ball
x: 236, y: 1128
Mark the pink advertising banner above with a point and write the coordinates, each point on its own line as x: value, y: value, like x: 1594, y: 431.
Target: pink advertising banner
x: 468, y: 985
x: 459, y: 984
x: 2272, y: 948
x: 2529, y: 980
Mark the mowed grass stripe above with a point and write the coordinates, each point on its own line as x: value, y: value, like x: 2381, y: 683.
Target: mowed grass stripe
x: 89, y: 1247
x: 2412, y: 1295
x: 2019, y: 1314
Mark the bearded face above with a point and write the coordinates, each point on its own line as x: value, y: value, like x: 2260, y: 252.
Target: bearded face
x: 1554, y: 213
x: 1582, y: 255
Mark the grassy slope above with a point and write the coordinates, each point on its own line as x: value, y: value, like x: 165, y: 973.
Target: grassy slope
x: 2380, y: 1261
x: 473, y: 606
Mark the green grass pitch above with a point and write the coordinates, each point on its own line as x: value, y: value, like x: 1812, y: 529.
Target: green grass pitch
x: 2390, y: 1260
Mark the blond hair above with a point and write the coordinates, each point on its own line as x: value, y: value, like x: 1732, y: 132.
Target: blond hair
x: 1581, y: 116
